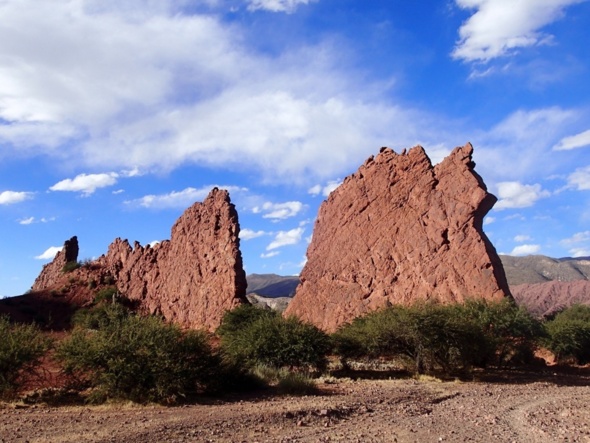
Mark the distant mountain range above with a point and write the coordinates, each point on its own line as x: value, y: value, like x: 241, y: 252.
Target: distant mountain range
x: 272, y: 285
x: 541, y: 269
x: 542, y: 284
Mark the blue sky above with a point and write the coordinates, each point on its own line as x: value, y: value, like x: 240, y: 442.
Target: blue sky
x: 117, y: 116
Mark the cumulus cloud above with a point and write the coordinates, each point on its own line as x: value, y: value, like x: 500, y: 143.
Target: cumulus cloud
x: 286, y: 238
x: 326, y: 189
x: 580, y: 179
x: 517, y: 195
x: 287, y: 6
x: 86, y: 183
x: 249, y: 234
x: 526, y: 250
x: 279, y: 211
x: 500, y: 27
x: 129, y: 71
x: 12, y: 197
x: 49, y: 254
x: 580, y: 140
x: 178, y: 199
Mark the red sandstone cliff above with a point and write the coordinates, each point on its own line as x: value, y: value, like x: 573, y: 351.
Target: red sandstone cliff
x: 397, y: 231
x: 191, y: 279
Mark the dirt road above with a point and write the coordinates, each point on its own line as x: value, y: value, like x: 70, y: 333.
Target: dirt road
x: 513, y: 407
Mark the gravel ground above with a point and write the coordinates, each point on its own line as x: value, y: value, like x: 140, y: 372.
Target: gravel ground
x: 502, y: 407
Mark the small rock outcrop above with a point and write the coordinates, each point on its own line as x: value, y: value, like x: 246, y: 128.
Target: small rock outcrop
x: 397, y: 231
x: 52, y: 272
x: 191, y: 279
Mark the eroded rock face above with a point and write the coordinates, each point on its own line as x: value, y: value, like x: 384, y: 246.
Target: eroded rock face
x: 191, y: 279
x: 549, y: 298
x: 397, y: 231
x: 53, y: 272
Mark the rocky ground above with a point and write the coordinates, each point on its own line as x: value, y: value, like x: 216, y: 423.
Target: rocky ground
x: 502, y: 407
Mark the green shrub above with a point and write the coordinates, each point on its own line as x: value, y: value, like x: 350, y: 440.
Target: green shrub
x: 253, y: 336
x: 443, y: 337
x: 108, y: 294
x: 569, y: 334
x: 286, y: 381
x: 21, y: 348
x: 429, y: 337
x: 141, y: 359
x: 100, y: 316
x: 511, y: 332
x: 240, y: 318
x: 70, y: 266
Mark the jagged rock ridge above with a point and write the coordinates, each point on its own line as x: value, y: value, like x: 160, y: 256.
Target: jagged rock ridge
x: 397, y: 231
x: 191, y: 279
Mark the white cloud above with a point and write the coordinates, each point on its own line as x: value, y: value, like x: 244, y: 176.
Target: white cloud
x: 286, y: 238
x: 86, y: 183
x: 270, y: 254
x: 523, y: 136
x: 326, y: 189
x: 178, y: 199
x: 580, y: 140
x: 522, y: 238
x: 579, y: 237
x: 580, y: 179
x: 279, y: 211
x: 526, y: 250
x: 287, y: 6
x: 580, y: 252
x: 517, y: 195
x: 12, y: 197
x: 192, y: 92
x: 49, y: 254
x: 315, y: 190
x: 248, y: 234
x: 154, y: 243
x: 489, y: 220
x: 31, y: 220
x: 578, y: 244
x: 500, y: 27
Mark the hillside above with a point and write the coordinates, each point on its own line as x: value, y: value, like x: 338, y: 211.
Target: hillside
x: 540, y: 269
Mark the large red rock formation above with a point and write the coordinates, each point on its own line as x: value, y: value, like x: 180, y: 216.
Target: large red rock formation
x: 397, y: 231
x: 53, y: 272
x: 191, y: 279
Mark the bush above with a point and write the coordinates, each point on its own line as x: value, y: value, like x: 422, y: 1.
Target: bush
x: 511, y: 332
x: 252, y: 336
x: 108, y: 294
x: 286, y: 381
x: 100, y: 316
x: 70, y: 266
x: 21, y: 348
x: 138, y: 358
x: 428, y: 337
x: 569, y: 335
